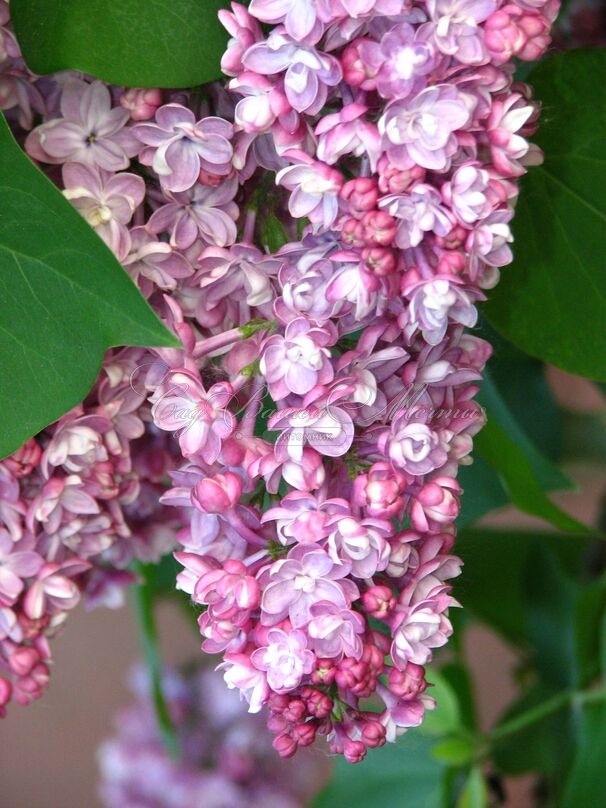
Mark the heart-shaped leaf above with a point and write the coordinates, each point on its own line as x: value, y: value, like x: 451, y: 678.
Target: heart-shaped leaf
x: 135, y: 43
x: 64, y: 300
x: 551, y: 302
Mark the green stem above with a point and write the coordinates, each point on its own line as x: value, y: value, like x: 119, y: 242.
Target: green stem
x: 547, y: 708
x: 143, y: 599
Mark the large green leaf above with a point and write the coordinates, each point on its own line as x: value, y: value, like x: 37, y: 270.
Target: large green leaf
x: 551, y: 302
x: 64, y: 300
x: 400, y: 775
x: 523, y: 470
x: 137, y: 43
x: 586, y: 784
x: 502, y: 600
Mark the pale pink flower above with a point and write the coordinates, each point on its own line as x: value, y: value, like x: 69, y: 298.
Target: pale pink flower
x: 285, y: 659
x: 178, y: 147
x: 90, y: 130
x: 106, y: 201
x: 307, y: 576
x: 199, y: 416
x: 421, y: 129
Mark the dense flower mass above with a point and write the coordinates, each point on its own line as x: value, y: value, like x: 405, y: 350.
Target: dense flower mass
x: 314, y: 419
x: 225, y: 758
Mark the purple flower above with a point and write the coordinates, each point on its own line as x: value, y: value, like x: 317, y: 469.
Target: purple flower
x: 362, y: 544
x: 335, y: 631
x: 107, y: 202
x: 415, y: 448
x: 239, y: 272
x: 201, y: 213
x: 54, y: 589
x: 17, y: 561
x: 329, y: 430
x: 489, y: 248
x: 299, y: 360
x: 239, y: 672
x: 307, y: 73
x: 152, y: 263
x: 468, y: 194
x: 285, y: 659
x: 306, y: 576
x: 177, y: 147
x: 433, y: 304
x: 201, y: 418
x: 420, y: 211
x: 315, y: 189
x: 420, y: 129
x: 304, y: 290
x: 298, y: 16
x: 406, y: 57
x: 456, y: 29
x: 302, y: 517
x: 91, y: 130
x: 418, y: 629
x: 348, y: 132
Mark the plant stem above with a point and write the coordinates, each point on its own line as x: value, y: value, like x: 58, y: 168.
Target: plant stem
x: 143, y: 600
x: 547, y: 708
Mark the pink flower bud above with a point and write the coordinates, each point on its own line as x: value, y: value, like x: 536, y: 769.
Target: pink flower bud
x: 22, y: 462
x: 294, y: 711
x: 318, y: 704
x: 378, y: 601
x: 23, y: 660
x: 285, y: 745
x: 408, y: 683
x: 217, y: 494
x: 141, y: 103
x: 379, y: 261
x: 361, y: 195
x: 379, y: 228
x: 436, y: 504
x: 354, y: 751
x: 373, y: 733
x: 305, y: 733
x: 355, y: 72
x: 394, y: 180
x: 325, y: 671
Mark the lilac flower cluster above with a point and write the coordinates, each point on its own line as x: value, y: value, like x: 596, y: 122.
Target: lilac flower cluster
x: 225, y: 758
x: 322, y: 400
x: 77, y: 504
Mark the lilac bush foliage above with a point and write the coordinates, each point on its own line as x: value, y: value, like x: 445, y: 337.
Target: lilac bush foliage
x: 314, y: 419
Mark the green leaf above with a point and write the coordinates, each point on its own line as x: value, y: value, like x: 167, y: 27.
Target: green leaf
x: 502, y: 600
x: 523, y: 470
x: 400, y: 775
x: 64, y: 300
x: 521, y: 383
x: 446, y: 718
x: 273, y: 233
x: 455, y: 751
x: 458, y: 676
x: 475, y: 793
x: 135, y: 43
x: 519, y: 478
x: 551, y: 301
x: 586, y: 784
